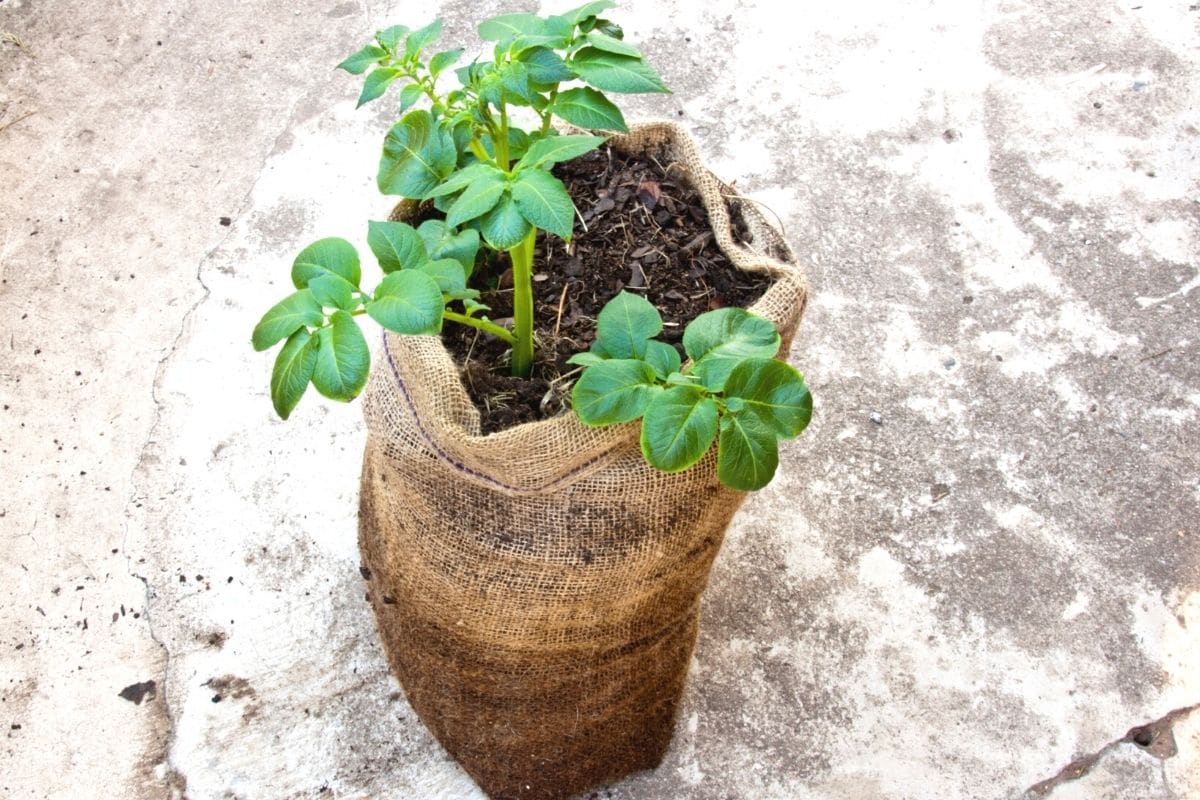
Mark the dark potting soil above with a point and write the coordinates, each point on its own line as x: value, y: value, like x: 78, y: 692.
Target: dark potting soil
x: 647, y: 232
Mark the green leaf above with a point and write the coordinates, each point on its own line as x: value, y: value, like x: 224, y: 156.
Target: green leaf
x: 461, y: 128
x: 491, y: 88
x: 718, y: 340
x: 377, y: 83
x: 471, y: 74
x: 504, y: 226
x: 586, y: 359
x: 679, y: 427
x: 389, y: 38
x: 545, y: 65
x: 518, y: 143
x: 442, y: 60
x: 528, y: 41
x: 614, y: 391
x: 626, y: 324
x: 447, y: 274
x: 506, y: 26
x: 543, y: 200
x: 664, y: 358
x: 418, y: 40
x: 611, y: 28
x: 472, y: 307
x: 396, y: 244
x: 358, y: 63
x: 479, y: 198
x: 441, y: 242
x: 615, y: 73
x: 408, y: 301
x: 417, y: 155
x: 286, y: 317
x: 747, y: 453
x: 773, y: 392
x: 578, y: 15
x: 464, y: 178
x: 561, y: 27
x: 409, y: 96
x: 545, y: 153
x: 588, y: 109
x: 333, y: 291
x: 611, y: 45
x: 334, y: 255
x: 293, y: 370
x: 343, y: 359
x: 679, y: 379
x: 514, y: 82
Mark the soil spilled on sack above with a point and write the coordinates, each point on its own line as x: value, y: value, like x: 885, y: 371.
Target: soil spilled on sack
x: 647, y: 232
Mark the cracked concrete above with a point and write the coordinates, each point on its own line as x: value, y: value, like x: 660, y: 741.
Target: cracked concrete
x: 1155, y: 739
x: 975, y: 575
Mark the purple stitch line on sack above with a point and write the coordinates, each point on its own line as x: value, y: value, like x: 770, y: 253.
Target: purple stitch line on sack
x: 444, y: 456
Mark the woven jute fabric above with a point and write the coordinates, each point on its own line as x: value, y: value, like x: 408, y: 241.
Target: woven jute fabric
x: 537, y: 589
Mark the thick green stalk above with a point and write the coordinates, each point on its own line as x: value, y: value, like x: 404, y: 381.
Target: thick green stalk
x: 482, y: 324
x: 522, y: 267
x: 477, y: 148
x: 546, y: 117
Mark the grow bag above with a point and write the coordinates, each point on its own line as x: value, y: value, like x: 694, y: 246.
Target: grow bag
x: 537, y: 589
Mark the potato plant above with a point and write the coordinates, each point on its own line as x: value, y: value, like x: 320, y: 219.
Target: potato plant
x: 464, y: 151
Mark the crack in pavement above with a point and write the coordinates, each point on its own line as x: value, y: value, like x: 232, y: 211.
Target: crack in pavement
x: 1155, y: 738
x: 172, y: 777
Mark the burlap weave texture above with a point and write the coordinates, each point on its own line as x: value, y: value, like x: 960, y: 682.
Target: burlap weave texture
x: 537, y: 589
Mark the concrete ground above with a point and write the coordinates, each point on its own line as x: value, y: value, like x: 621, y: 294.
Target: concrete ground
x: 976, y: 575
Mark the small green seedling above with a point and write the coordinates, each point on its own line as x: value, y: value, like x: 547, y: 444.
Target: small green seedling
x: 463, y: 151
x: 733, y: 391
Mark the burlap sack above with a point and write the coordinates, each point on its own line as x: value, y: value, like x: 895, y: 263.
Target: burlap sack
x: 537, y: 589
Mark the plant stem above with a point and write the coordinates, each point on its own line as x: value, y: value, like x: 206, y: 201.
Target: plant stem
x: 502, y: 139
x: 546, y: 118
x: 427, y: 87
x: 482, y: 324
x: 480, y: 153
x: 522, y: 267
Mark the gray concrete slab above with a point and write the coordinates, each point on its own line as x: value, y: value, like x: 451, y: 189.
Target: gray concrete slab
x: 975, y: 576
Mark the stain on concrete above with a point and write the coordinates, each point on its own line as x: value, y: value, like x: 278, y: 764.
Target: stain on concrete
x: 229, y: 687
x: 1063, y: 39
x: 137, y: 692
x: 279, y: 226
x: 343, y: 9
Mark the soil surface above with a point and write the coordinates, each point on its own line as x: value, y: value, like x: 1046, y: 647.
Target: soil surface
x: 647, y: 232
